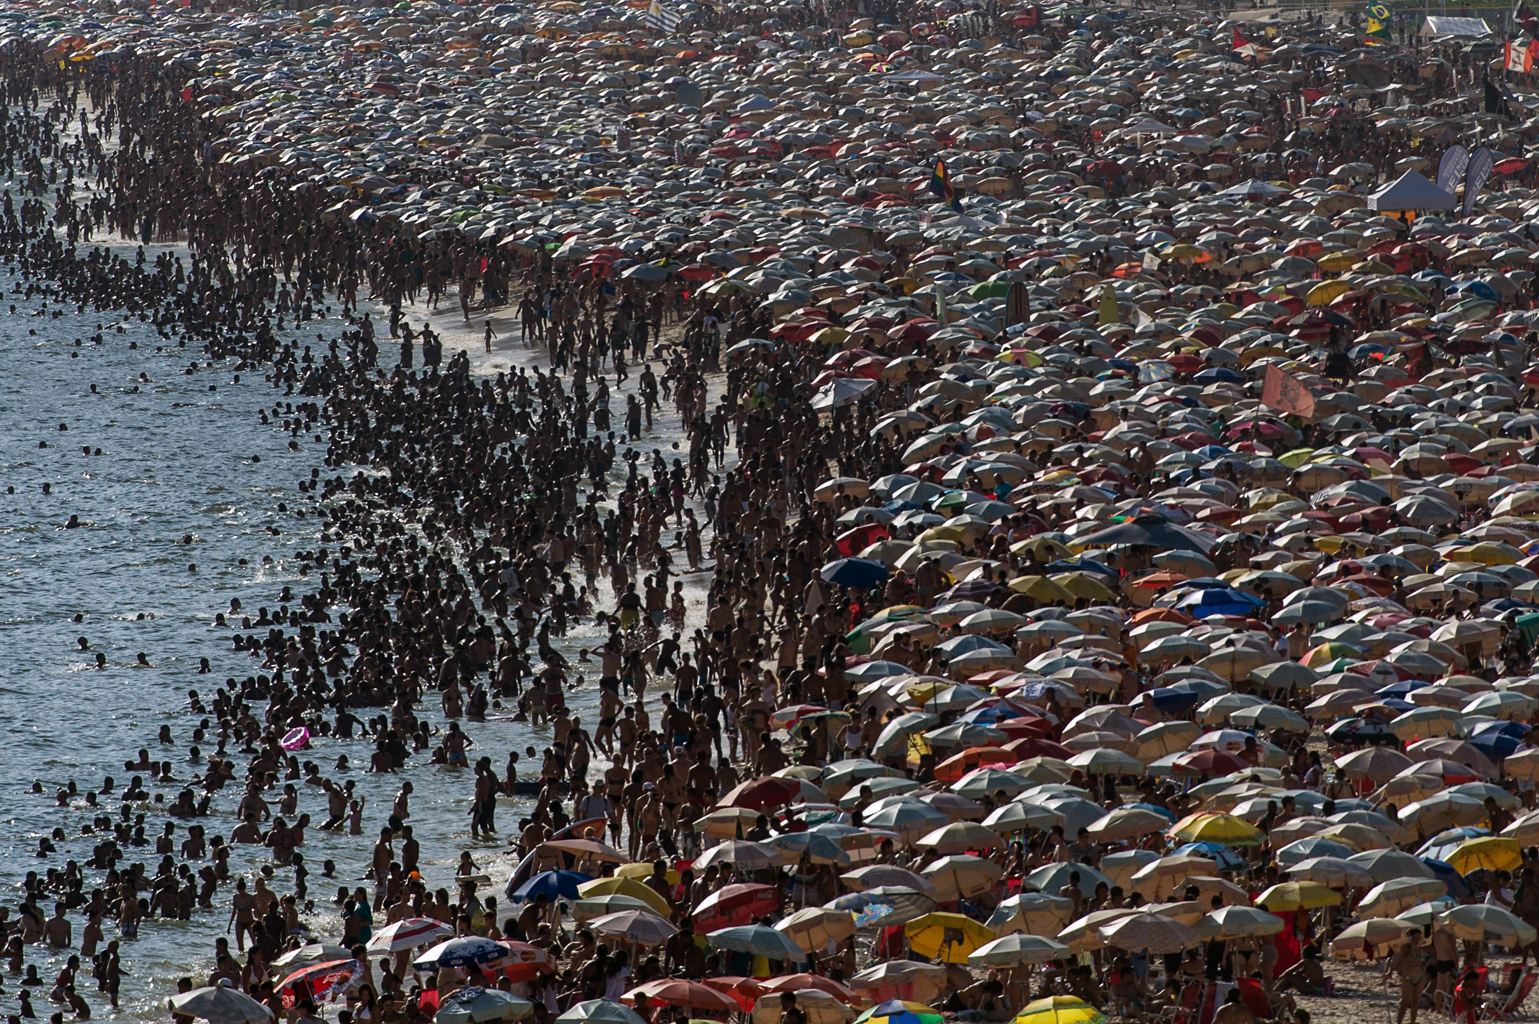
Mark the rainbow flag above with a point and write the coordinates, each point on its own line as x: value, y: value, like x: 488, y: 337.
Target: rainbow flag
x: 940, y: 184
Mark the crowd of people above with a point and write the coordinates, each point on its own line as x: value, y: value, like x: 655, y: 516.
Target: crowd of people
x: 982, y: 641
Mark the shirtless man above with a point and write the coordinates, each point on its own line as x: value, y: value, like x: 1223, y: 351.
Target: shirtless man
x: 57, y: 931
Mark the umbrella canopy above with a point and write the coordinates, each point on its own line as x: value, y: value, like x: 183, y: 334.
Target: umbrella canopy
x: 407, y: 934
x: 1151, y: 932
x: 220, y: 1004
x: 947, y: 938
x: 639, y: 926
x: 473, y: 1005
x: 463, y: 951
x: 599, y: 1011
x: 1018, y: 950
x: 758, y: 940
x: 1059, y: 1010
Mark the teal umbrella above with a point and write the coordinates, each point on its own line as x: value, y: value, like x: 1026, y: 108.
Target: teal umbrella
x: 473, y: 1005
x: 757, y: 940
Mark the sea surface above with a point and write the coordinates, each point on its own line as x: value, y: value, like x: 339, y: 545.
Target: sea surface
x: 178, y: 513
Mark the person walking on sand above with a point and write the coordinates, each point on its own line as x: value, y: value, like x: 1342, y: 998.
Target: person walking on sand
x: 1410, y: 963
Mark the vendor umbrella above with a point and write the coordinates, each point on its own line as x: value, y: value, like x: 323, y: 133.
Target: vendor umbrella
x: 462, y: 951
x: 321, y: 981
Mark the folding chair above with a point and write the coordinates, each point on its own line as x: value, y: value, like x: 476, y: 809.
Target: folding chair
x: 1508, y: 1008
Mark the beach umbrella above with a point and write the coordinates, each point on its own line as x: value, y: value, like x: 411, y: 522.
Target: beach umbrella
x: 1389, y: 898
x: 1239, y: 922
x: 474, y: 1005
x: 764, y: 793
x: 639, y: 926
x: 960, y: 876
x: 1083, y: 935
x: 323, y: 981
x: 739, y: 903
x: 461, y: 951
x: 1217, y: 828
x: 946, y: 937
x: 553, y: 885
x: 1030, y: 912
x: 1151, y: 932
x: 897, y: 1011
x: 1371, y: 938
x: 757, y: 940
x: 819, y: 1007
x: 817, y: 928
x: 742, y: 855
x: 312, y: 953
x: 599, y: 1011
x: 1051, y: 878
x: 1019, y: 816
x: 690, y: 995
x: 407, y: 934
x: 1126, y: 823
x: 802, y: 980
x: 1298, y: 896
x: 874, y: 875
x: 220, y: 1004
x: 883, y: 905
x: 1018, y: 950
x: 1486, y: 853
x: 1335, y: 872
x: 1387, y: 865
x: 1059, y: 1010
x: 1485, y: 922
x: 959, y: 837
x: 598, y: 906
x: 629, y: 887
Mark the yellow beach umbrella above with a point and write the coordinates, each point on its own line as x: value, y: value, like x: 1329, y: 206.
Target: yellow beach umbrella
x: 1491, y: 853
x: 1059, y: 1010
x: 1205, y: 827
x: 620, y: 886
x: 1298, y: 896
x: 947, y: 938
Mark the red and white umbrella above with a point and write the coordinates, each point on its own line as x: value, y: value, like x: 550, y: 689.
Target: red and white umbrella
x: 320, y: 982
x: 408, y: 934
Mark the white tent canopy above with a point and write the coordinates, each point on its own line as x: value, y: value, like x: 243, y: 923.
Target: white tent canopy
x: 1440, y: 27
x: 1411, y: 191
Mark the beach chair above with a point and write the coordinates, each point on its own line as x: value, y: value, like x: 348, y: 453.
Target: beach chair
x: 1507, y: 1008
x: 1185, y: 1011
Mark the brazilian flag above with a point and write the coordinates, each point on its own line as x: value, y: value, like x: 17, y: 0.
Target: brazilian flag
x: 1378, y: 16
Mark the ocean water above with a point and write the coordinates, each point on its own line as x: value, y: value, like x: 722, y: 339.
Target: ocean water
x: 187, y: 476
